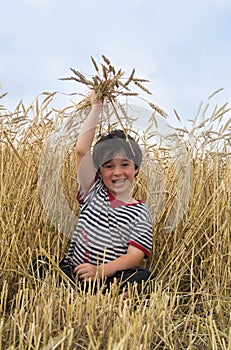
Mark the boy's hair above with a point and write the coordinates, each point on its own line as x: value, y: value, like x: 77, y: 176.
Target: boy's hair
x: 109, y: 145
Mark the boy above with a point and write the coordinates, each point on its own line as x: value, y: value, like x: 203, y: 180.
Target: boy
x: 114, y: 231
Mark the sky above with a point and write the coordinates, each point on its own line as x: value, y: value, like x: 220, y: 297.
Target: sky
x: 182, y: 47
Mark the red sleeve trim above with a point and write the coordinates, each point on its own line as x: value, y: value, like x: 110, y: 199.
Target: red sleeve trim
x: 138, y: 246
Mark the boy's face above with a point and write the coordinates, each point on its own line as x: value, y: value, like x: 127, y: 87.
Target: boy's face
x: 118, y: 175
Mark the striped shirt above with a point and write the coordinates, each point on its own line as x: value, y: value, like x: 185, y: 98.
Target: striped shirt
x: 106, y: 227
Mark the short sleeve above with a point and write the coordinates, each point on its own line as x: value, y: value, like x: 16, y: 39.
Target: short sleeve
x: 142, y: 233
x: 85, y: 197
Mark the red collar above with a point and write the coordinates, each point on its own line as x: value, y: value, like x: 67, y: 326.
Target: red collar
x: 115, y: 203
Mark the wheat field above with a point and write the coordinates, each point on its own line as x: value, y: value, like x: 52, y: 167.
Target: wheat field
x: 187, y: 305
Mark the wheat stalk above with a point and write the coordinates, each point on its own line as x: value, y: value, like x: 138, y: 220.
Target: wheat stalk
x: 186, y: 306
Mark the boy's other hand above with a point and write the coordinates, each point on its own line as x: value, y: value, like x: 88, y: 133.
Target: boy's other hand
x: 86, y: 271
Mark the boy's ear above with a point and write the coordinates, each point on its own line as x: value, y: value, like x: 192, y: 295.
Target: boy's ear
x: 136, y: 171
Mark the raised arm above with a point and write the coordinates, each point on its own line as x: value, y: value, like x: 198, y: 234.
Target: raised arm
x: 85, y: 166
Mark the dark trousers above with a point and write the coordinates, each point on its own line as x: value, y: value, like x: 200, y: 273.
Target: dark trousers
x: 40, y: 267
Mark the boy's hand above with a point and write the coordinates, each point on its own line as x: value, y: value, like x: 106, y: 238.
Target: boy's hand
x: 93, y: 100
x: 86, y: 271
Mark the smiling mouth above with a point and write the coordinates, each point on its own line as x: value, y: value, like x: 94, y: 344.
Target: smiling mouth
x: 119, y: 182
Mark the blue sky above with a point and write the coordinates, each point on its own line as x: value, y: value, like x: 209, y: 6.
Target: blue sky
x: 182, y: 47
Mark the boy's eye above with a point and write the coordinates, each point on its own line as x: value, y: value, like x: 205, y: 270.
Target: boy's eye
x: 125, y: 164
x: 107, y: 166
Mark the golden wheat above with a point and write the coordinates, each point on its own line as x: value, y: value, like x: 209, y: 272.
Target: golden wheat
x: 187, y: 306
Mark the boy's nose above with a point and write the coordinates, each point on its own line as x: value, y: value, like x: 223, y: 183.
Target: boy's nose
x: 117, y: 171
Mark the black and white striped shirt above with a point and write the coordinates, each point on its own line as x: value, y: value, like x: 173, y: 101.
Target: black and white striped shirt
x: 107, y: 226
